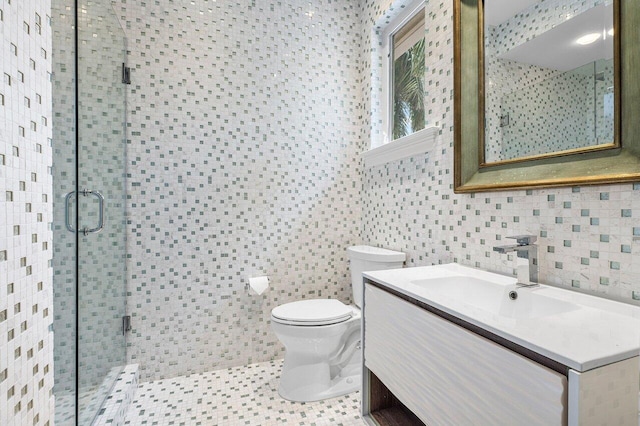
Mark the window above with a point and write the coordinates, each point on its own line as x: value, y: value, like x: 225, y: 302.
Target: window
x: 407, y: 77
x: 399, y: 124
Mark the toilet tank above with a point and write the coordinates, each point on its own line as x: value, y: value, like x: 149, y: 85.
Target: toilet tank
x: 367, y: 258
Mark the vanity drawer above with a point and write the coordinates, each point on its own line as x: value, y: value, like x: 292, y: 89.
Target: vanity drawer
x: 446, y: 374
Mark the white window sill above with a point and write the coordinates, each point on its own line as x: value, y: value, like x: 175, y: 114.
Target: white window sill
x: 408, y: 146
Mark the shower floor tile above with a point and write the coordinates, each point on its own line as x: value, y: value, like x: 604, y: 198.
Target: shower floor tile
x: 236, y: 396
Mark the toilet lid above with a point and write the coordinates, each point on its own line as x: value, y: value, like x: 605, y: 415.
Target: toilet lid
x: 313, y: 312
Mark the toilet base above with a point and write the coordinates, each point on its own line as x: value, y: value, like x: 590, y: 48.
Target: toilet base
x: 314, y: 382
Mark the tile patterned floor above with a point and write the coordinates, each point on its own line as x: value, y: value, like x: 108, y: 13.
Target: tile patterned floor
x: 236, y: 396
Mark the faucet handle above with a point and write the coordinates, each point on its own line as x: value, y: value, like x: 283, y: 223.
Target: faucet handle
x: 524, y: 240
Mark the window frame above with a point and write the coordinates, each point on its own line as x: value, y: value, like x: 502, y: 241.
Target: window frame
x: 396, y: 25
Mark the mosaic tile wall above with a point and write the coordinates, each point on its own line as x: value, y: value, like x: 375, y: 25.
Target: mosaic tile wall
x: 570, y: 115
x: 243, y: 161
x: 102, y: 159
x: 64, y: 246
x: 26, y: 340
x: 604, y: 99
x: 588, y: 235
x: 566, y: 117
x: 563, y: 118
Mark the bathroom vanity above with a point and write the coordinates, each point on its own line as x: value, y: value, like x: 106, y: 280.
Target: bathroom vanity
x: 449, y: 344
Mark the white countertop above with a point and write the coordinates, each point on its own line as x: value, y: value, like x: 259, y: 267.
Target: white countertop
x: 593, y: 333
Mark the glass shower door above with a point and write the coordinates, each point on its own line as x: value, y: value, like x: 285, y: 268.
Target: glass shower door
x: 89, y: 207
x: 101, y: 205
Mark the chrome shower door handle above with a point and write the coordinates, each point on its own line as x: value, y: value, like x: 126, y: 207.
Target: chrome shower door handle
x: 100, y: 227
x: 68, y: 220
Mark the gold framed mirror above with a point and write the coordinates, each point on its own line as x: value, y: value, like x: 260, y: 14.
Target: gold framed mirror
x: 615, y: 154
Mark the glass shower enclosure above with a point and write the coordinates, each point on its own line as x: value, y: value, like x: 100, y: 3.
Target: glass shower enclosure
x: 89, y: 165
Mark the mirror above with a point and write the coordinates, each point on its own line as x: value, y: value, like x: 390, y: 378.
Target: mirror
x: 549, y: 78
x: 544, y: 93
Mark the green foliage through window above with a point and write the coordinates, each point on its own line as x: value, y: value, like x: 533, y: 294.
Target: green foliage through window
x: 408, y: 91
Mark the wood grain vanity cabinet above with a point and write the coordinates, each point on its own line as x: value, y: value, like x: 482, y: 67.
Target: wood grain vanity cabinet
x: 425, y: 366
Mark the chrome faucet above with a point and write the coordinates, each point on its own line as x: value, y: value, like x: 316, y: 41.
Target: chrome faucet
x: 526, y: 259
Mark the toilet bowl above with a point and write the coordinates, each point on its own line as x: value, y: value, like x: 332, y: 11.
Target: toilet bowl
x: 322, y: 336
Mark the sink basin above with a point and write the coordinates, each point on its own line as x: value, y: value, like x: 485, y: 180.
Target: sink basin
x: 494, y: 297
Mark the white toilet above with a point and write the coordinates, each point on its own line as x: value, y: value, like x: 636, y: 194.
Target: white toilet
x: 322, y: 336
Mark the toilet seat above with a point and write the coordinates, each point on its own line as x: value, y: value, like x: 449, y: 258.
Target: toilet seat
x: 312, y: 312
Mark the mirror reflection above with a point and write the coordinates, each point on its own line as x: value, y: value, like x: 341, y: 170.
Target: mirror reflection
x: 549, y: 77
